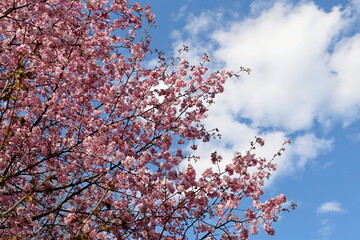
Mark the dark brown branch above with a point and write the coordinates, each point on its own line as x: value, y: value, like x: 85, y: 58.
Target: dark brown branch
x: 10, y: 10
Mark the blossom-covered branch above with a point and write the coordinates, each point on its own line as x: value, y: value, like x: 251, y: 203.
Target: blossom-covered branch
x: 91, y: 138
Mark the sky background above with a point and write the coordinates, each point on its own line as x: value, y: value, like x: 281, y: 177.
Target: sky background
x: 304, y: 86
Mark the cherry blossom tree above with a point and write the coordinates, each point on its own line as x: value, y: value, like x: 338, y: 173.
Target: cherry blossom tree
x: 92, y: 138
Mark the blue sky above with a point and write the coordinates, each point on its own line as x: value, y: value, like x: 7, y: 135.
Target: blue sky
x: 304, y: 85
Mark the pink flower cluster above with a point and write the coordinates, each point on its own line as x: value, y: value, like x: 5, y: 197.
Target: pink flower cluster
x: 90, y: 137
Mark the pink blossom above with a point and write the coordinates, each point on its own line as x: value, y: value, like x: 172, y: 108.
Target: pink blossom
x: 260, y: 141
x: 93, y: 140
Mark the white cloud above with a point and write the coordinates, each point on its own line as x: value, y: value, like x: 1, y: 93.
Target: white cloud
x: 303, y: 72
x: 326, y: 228
x: 356, y: 5
x: 286, y: 48
x: 307, y: 147
x: 236, y: 137
x: 258, y: 6
x: 180, y: 13
x: 198, y: 23
x: 345, y: 63
x: 295, y: 79
x: 330, y: 207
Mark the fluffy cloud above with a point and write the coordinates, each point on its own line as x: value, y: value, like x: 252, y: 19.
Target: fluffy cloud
x: 305, y: 72
x: 330, y: 207
x: 345, y: 63
x: 287, y: 49
x: 307, y: 147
